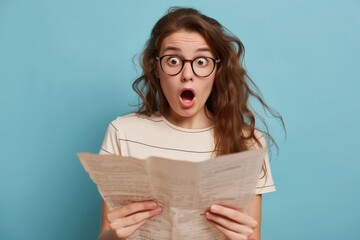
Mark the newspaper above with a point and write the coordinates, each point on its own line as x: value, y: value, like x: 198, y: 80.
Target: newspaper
x: 184, y: 189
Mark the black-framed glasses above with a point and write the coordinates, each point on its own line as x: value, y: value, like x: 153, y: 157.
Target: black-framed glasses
x: 202, y: 66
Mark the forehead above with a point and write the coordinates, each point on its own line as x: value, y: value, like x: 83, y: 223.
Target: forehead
x: 184, y: 41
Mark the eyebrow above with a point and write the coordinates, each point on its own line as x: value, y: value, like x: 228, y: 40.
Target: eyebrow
x: 176, y: 49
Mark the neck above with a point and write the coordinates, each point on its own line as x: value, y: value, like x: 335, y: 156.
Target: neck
x: 201, y: 120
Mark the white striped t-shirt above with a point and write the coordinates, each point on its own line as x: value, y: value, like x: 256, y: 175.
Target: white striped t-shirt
x: 140, y: 136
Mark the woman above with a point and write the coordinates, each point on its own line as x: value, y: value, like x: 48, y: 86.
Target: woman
x: 194, y: 94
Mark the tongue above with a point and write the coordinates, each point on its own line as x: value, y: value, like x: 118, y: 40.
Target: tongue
x: 187, y: 95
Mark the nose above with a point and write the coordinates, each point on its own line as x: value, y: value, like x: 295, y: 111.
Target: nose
x: 187, y: 73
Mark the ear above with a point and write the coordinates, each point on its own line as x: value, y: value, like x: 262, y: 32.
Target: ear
x: 156, y: 68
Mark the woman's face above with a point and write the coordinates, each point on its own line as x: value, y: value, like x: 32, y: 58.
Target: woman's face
x: 186, y: 92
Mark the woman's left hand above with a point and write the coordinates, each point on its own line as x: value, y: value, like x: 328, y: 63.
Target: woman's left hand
x: 232, y: 223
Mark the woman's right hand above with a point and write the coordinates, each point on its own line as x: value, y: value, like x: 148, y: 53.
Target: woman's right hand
x: 126, y: 220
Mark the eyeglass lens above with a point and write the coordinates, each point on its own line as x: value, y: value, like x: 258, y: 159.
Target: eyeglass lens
x: 202, y: 66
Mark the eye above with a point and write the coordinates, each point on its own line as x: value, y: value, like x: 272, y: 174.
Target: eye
x: 201, y: 62
x: 173, y: 60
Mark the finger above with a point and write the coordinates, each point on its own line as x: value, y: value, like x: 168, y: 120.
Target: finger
x: 130, y: 209
x: 229, y: 234
x: 125, y: 232
x: 233, y: 215
x: 134, y: 219
x: 229, y: 225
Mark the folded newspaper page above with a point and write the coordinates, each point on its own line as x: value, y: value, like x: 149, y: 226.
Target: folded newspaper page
x: 184, y: 189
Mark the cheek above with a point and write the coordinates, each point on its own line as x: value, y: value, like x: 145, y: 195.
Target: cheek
x: 166, y: 87
x: 209, y: 87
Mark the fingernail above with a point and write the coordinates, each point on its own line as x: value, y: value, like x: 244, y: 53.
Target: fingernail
x: 214, y: 208
x: 254, y: 223
x: 158, y: 210
x: 152, y: 204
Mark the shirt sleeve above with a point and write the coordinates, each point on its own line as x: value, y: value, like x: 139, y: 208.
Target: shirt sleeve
x: 110, y: 143
x: 265, y: 183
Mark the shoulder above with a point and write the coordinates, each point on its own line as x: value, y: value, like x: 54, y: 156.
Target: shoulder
x: 135, y: 120
x: 260, y: 141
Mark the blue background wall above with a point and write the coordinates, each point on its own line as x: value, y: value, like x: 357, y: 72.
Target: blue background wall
x: 66, y: 71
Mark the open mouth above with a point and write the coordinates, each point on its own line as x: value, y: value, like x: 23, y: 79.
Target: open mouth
x: 187, y: 95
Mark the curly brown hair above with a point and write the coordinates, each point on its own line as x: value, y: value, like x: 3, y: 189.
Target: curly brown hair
x: 234, y: 120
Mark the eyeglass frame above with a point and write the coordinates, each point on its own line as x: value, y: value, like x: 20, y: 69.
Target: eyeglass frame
x: 215, y: 61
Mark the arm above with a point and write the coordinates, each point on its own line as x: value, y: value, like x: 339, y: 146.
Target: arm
x: 255, y: 213
x: 104, y: 221
x: 235, y: 224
